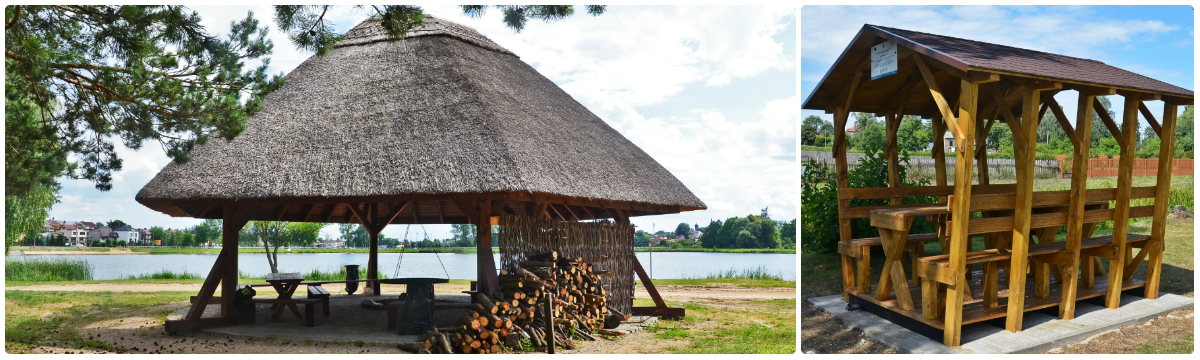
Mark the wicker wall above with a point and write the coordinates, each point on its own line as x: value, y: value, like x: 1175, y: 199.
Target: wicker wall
x: 606, y: 245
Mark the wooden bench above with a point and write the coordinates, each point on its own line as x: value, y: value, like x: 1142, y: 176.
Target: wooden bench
x: 937, y: 267
x: 318, y: 292
x: 312, y: 314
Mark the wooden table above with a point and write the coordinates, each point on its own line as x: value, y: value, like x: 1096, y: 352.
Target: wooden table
x: 894, y: 223
x: 285, y: 284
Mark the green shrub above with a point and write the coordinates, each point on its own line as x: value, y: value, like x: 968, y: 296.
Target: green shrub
x: 759, y: 273
x: 165, y: 274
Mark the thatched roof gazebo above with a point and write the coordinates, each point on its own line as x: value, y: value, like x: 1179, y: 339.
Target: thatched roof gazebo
x: 443, y: 127
x: 965, y: 87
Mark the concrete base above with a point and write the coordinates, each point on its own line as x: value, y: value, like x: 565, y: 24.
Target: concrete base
x: 1042, y: 331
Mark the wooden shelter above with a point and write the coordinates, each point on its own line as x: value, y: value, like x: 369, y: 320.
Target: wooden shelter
x: 443, y: 127
x: 966, y: 87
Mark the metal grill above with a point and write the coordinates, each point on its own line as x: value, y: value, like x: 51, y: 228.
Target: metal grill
x: 605, y: 245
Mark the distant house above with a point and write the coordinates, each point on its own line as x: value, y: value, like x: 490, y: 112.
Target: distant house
x: 332, y: 244
x: 126, y: 233
x: 86, y: 225
x: 949, y: 140
x: 102, y: 234
x: 143, y: 235
x: 73, y: 234
x: 851, y: 131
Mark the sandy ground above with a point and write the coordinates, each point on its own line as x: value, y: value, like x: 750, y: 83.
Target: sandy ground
x: 670, y: 292
x: 141, y: 334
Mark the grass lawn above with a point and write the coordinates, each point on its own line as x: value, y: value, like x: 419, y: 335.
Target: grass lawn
x: 736, y: 327
x: 53, y: 318
x: 752, y: 283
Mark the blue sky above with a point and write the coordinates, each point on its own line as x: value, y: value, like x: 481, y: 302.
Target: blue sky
x: 1155, y: 41
x: 708, y: 92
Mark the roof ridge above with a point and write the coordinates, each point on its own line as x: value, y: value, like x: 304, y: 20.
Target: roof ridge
x: 369, y: 31
x: 885, y: 28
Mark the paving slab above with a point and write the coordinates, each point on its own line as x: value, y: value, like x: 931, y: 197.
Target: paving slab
x: 1041, y: 332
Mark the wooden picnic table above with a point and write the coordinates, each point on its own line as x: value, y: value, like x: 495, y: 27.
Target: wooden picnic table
x: 894, y: 223
x: 285, y: 284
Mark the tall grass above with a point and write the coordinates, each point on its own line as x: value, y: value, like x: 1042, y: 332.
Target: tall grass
x: 759, y: 273
x: 333, y: 275
x: 165, y: 274
x: 63, y: 269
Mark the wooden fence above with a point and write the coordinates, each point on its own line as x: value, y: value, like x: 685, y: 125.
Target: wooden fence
x: 924, y: 166
x: 1101, y: 167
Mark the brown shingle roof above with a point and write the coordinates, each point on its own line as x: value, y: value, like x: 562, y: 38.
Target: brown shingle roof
x: 1024, y: 61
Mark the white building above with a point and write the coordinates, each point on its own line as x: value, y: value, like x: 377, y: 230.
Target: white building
x: 127, y: 233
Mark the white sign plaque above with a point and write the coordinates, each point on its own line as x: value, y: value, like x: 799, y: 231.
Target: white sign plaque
x: 883, y: 60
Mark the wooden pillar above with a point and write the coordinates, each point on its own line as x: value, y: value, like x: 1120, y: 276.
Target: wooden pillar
x: 489, y: 282
x: 1116, y: 265
x: 841, y: 114
x: 892, y: 153
x: 373, y: 256
x: 1083, y: 131
x: 961, y: 214
x: 1025, y: 153
x: 1158, y: 229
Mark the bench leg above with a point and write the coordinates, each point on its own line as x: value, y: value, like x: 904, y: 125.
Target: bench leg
x: 864, y: 271
x: 1041, y: 279
x: 313, y: 315
x: 929, y: 298
x: 391, y: 318
x: 1089, y: 272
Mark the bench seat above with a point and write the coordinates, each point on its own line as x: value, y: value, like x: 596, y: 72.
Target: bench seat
x: 989, y: 255
x: 855, y: 248
x: 318, y: 292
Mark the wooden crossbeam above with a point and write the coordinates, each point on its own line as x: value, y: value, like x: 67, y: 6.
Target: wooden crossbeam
x: 467, y: 208
x: 1012, y: 121
x: 947, y: 113
x: 1150, y: 119
x: 392, y: 213
x: 1062, y: 119
x: 329, y: 213
x: 308, y: 211
x: 441, y: 212
x: 1109, y: 123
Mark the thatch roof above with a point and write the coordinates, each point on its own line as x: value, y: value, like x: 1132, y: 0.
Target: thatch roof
x: 444, y: 112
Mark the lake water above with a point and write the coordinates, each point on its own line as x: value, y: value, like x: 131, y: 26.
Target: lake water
x: 669, y: 265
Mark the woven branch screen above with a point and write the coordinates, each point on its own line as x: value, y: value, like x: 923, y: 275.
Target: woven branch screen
x: 605, y: 245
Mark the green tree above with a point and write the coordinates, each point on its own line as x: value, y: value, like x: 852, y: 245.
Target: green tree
x: 276, y: 234
x: 727, y: 236
x: 25, y: 216
x: 208, y: 231
x: 1184, y: 136
x: 709, y: 239
x: 683, y: 229
x: 766, y: 234
x: 157, y: 233
x: 914, y: 134
x: 787, y: 234
x: 116, y: 224
x: 641, y: 238
x: 138, y: 73
x: 746, y: 240
x: 463, y: 233
x: 809, y: 129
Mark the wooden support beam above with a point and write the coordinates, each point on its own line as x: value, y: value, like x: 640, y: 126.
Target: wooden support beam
x: 489, y: 282
x: 466, y: 208
x: 1138, y: 95
x: 442, y: 212
x: 981, y: 77
x: 968, y: 105
x: 840, y: 116
x: 1158, y: 228
x: 1109, y: 123
x: 1025, y: 154
x: 892, y: 153
x: 1013, y: 123
x: 395, y: 211
x: 947, y: 113
x: 1116, y: 266
x: 1035, y: 84
x: 1062, y: 121
x: 307, y: 212
x: 1150, y: 119
x: 1075, y: 212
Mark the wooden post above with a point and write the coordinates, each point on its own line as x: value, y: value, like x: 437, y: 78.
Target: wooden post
x: 841, y: 113
x: 961, y: 211
x: 891, y: 151
x: 1070, y: 278
x: 1116, y: 265
x: 488, y: 281
x: 1025, y: 153
x: 373, y: 255
x: 1158, y: 229
x: 548, y: 306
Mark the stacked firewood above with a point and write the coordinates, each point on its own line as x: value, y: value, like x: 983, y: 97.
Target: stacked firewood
x: 518, y: 311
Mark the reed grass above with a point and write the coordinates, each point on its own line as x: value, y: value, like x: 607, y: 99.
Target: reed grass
x: 64, y: 269
x: 165, y: 274
x: 333, y: 275
x: 759, y: 273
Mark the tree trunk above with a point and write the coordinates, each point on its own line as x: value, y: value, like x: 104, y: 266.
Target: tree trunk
x: 267, y: 252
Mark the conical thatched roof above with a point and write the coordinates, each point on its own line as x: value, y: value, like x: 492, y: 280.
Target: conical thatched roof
x: 444, y: 112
